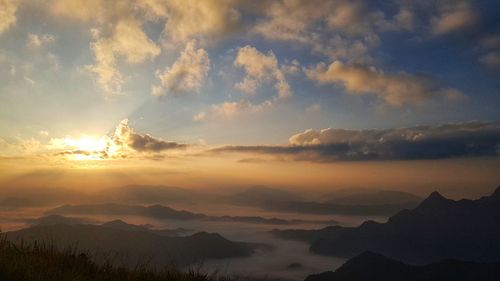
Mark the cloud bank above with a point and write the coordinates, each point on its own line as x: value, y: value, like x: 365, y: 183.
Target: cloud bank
x: 414, y: 143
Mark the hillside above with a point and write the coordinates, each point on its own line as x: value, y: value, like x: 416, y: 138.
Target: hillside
x: 374, y: 267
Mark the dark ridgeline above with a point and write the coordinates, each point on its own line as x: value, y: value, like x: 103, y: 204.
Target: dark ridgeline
x: 437, y: 229
x: 374, y: 267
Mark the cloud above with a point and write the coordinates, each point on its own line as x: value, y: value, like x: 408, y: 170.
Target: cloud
x: 129, y: 41
x: 314, y: 108
x: 231, y: 109
x: 83, y: 10
x: 454, y: 16
x: 36, y: 41
x: 396, y: 89
x: 19, y: 146
x: 187, y: 74
x: 43, y: 133
x: 490, y: 46
x: 491, y: 59
x: 260, y: 67
x: 126, y: 136
x: 339, y: 29
x: 200, y: 116
x: 187, y: 20
x: 414, y: 143
x: 8, y: 9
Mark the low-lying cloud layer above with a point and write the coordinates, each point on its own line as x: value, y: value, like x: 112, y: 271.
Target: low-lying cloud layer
x: 414, y: 143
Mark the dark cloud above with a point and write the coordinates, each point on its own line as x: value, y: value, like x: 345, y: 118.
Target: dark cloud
x: 420, y: 142
x: 147, y: 142
x: 126, y: 136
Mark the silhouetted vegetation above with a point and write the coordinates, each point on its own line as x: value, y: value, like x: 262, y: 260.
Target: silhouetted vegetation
x: 42, y: 262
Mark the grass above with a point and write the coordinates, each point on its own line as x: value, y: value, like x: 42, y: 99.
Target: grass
x: 39, y: 262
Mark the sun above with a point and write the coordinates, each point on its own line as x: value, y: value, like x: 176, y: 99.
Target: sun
x: 90, y: 143
x: 87, y: 147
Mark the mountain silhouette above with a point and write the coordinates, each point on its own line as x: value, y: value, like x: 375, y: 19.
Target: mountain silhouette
x: 377, y: 203
x: 133, y: 245
x: 370, y: 266
x: 378, y: 197
x: 438, y: 228
x: 260, y: 196
x: 164, y: 212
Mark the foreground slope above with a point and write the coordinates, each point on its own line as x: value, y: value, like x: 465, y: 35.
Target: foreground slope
x: 24, y: 263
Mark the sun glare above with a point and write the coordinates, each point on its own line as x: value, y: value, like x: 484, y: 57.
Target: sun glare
x: 83, y: 148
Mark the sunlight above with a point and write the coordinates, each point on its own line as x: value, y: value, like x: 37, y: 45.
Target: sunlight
x: 86, y: 147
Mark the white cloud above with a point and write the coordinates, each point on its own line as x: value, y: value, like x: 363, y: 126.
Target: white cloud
x: 36, y: 41
x: 259, y: 68
x: 187, y: 74
x: 231, y: 109
x: 200, y: 116
x: 129, y: 41
x: 43, y: 133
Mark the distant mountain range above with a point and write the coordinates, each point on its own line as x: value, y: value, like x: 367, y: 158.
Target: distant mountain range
x: 259, y: 196
x: 437, y: 229
x: 132, y: 244
x: 163, y: 212
x: 374, y: 203
x: 116, y: 224
x: 369, y: 266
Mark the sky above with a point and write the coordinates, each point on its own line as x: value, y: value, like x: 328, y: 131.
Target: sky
x: 224, y: 92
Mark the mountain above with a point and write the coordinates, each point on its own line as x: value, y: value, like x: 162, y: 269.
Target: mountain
x: 369, y: 266
x: 378, y: 203
x: 157, y: 194
x: 132, y: 246
x: 57, y: 219
x: 153, y: 211
x: 115, y: 224
x: 260, y: 196
x: 384, y: 197
x: 163, y: 212
x: 334, y: 208
x: 10, y: 203
x: 437, y: 229
x: 121, y: 225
